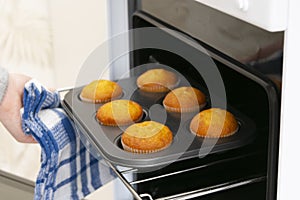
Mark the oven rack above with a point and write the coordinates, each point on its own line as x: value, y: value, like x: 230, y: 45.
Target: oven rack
x: 121, y: 174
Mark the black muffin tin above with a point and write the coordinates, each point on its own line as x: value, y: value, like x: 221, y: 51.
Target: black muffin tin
x: 105, y: 140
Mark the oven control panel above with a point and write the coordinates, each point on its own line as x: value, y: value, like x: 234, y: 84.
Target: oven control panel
x: 270, y: 15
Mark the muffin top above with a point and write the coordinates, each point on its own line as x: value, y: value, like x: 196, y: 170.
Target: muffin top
x: 147, y: 135
x: 100, y: 91
x: 119, y: 112
x: 184, y: 99
x: 157, y: 80
x: 214, y: 123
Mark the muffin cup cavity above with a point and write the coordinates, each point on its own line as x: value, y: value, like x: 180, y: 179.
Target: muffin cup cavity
x: 142, y: 118
x: 142, y: 151
x: 184, y: 110
x: 220, y: 136
x: 98, y: 101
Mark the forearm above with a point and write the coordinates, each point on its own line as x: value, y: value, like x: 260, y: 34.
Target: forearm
x: 11, y: 103
x: 3, y: 83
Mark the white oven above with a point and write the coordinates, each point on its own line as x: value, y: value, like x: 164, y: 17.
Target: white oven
x: 271, y: 16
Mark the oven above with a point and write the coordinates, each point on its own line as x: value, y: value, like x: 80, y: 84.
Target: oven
x: 251, y: 73
x: 239, y: 67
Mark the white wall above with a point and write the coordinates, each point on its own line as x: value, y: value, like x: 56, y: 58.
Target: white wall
x: 25, y: 40
x: 78, y: 27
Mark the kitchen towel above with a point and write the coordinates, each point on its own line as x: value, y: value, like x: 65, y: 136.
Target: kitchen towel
x: 68, y: 170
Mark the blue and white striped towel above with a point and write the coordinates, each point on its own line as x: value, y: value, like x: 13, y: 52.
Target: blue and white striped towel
x: 68, y: 170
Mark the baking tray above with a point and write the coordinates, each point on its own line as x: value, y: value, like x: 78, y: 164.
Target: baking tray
x: 106, y: 140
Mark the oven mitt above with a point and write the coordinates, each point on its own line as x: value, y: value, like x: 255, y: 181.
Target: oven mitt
x: 68, y: 170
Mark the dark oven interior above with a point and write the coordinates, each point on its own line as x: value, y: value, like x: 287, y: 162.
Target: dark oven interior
x: 246, y: 172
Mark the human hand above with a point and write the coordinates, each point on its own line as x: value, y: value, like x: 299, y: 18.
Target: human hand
x: 11, y: 105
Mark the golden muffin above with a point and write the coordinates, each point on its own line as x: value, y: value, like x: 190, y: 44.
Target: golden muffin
x: 157, y: 80
x: 184, y: 99
x: 214, y: 123
x: 100, y: 91
x: 119, y: 113
x: 146, y: 137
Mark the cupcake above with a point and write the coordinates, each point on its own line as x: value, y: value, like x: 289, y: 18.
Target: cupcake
x: 157, y: 80
x: 119, y: 113
x: 214, y: 123
x: 184, y: 99
x: 100, y: 91
x: 146, y: 137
